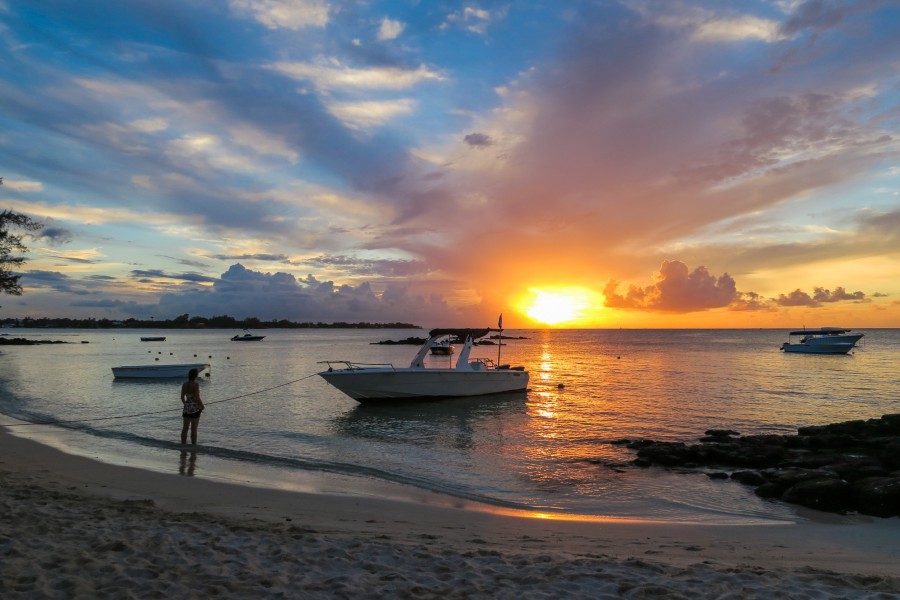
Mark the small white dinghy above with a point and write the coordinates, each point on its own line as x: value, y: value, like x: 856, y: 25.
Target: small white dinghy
x: 157, y: 371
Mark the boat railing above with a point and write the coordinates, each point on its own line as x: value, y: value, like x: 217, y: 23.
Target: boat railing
x: 354, y: 366
x: 487, y: 363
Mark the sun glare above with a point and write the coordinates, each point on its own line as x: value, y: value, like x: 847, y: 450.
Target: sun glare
x: 557, y: 306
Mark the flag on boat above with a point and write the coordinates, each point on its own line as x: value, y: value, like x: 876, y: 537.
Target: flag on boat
x: 500, y: 322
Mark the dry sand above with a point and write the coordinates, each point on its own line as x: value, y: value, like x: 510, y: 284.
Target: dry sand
x: 72, y: 527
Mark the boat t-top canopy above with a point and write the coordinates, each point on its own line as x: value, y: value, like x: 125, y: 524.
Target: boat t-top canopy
x: 822, y: 331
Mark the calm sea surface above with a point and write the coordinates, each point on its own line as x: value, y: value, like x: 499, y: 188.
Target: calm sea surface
x: 271, y: 421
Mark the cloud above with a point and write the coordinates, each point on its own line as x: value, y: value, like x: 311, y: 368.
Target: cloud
x: 473, y: 19
x: 819, y: 297
x: 55, y: 235
x: 746, y: 27
x: 371, y: 113
x: 22, y: 185
x: 331, y: 75
x: 262, y: 257
x: 285, y: 14
x: 242, y: 292
x: 796, y: 298
x: 676, y: 290
x: 353, y: 266
x: 478, y: 140
x: 389, y: 29
x: 151, y: 274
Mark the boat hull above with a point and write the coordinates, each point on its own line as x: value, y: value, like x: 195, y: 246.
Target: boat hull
x: 367, y: 385
x: 156, y: 371
x: 839, y: 348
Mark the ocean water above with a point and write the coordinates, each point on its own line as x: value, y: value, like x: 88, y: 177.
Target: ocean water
x: 272, y: 421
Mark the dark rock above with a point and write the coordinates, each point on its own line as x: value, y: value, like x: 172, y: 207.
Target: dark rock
x: 769, y: 490
x: 26, y: 342
x: 830, y: 495
x: 890, y: 454
x: 877, y: 496
x: 861, y: 455
x: 858, y: 468
x: 749, y: 477
x: 720, y: 432
x: 717, y: 475
x: 410, y: 341
x: 792, y: 476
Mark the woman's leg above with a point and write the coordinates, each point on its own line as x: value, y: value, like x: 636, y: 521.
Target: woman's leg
x: 194, y: 422
x: 184, y: 430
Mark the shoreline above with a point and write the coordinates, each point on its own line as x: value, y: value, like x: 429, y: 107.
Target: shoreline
x: 76, y: 526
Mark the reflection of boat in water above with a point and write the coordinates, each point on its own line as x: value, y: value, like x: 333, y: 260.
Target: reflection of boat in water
x: 442, y: 348
x: 157, y: 371
x: 827, y: 340
x: 157, y: 338
x: 247, y: 337
x: 469, y: 377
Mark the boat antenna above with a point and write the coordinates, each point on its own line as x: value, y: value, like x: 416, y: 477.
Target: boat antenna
x: 500, y: 339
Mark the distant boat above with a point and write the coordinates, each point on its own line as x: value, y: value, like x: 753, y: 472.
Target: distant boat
x: 157, y: 371
x: 159, y: 338
x: 247, y: 337
x: 827, y: 340
x: 442, y: 348
x: 475, y: 377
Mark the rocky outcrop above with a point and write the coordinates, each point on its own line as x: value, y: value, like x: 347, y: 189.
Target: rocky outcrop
x: 842, y: 467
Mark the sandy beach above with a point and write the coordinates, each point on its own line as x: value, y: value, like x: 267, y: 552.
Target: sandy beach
x: 73, y: 527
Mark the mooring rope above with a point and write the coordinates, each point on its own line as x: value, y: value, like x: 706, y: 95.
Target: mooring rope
x: 158, y: 412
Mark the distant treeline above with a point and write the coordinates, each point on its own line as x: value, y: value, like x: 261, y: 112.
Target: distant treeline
x: 187, y: 322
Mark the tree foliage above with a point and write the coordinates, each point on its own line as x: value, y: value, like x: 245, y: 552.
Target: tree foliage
x: 10, y: 244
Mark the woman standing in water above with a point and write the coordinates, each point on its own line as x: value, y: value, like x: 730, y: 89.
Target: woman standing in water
x: 193, y: 406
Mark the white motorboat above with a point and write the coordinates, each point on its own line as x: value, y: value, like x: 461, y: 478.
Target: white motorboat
x: 157, y: 371
x: 827, y: 340
x: 469, y: 377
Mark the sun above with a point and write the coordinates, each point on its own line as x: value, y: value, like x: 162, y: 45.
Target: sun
x: 557, y: 306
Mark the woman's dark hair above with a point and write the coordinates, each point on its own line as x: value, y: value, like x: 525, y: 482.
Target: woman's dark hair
x: 192, y: 374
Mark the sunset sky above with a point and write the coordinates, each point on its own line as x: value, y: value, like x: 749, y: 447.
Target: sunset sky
x: 568, y: 163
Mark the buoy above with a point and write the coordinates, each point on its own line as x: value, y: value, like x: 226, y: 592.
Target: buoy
x: 195, y: 356
x: 560, y: 386
x: 156, y: 358
x: 618, y: 357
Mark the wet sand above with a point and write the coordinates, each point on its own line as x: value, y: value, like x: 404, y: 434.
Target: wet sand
x: 75, y: 527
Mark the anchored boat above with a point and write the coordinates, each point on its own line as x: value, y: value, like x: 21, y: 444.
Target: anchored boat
x: 827, y: 340
x: 469, y: 377
x: 157, y: 371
